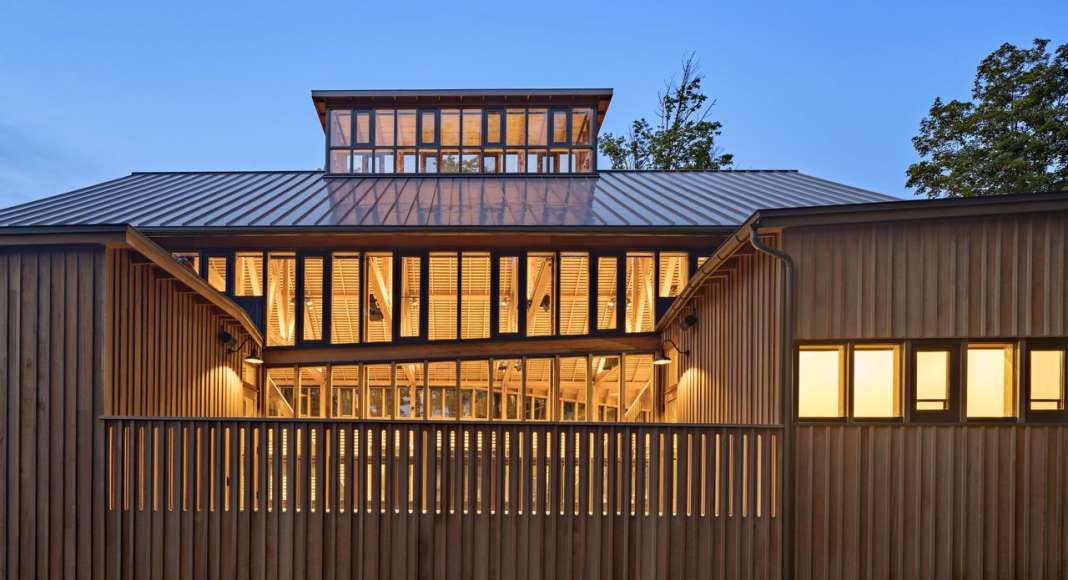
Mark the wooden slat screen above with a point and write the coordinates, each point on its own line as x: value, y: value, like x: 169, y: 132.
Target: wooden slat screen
x: 192, y: 498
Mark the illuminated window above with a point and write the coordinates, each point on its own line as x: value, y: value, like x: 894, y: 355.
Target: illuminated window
x: 475, y: 299
x: 582, y: 126
x: 248, y: 274
x: 537, y: 127
x: 582, y: 161
x: 540, y: 291
x: 1047, y: 380
x: 474, y: 389
x: 640, y: 310
x: 363, y: 127
x: 340, y: 128
x: 539, y: 380
x: 406, y: 128
x: 190, y: 260
x: 281, y: 293
x: 508, y: 295
x: 638, y: 388
x: 472, y: 129
x: 507, y: 389
x: 571, y: 398
x: 428, y: 128
x: 493, y: 127
x: 674, y: 273
x: 217, y: 273
x: 345, y: 391
x: 313, y: 299
x: 281, y: 392
x: 410, y: 296
x: 312, y: 391
x: 450, y: 127
x: 411, y: 392
x: 574, y: 293
x: 442, y: 300
x: 990, y: 381
x: 442, y: 385
x: 384, y: 129
x: 379, y: 391
x: 819, y: 382
x: 560, y: 121
x: 378, y: 303
x: 605, y: 387
x: 345, y: 298
x: 516, y: 128
x: 932, y: 380
x: 606, y: 293
x: 876, y: 381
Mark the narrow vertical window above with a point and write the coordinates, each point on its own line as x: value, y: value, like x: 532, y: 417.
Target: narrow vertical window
x: 442, y: 385
x: 406, y: 128
x: 605, y: 387
x: 378, y: 304
x: 820, y: 374
x: 345, y: 391
x: 411, y: 391
x: 384, y: 128
x: 248, y: 274
x: 537, y: 127
x: 606, y: 293
x: 640, y: 312
x: 574, y: 294
x: 582, y: 126
x: 571, y: 397
x: 539, y: 385
x: 1047, y: 379
x: 363, y: 128
x: 281, y: 390
x: 217, y: 273
x: 474, y: 389
x: 442, y: 280
x: 428, y: 127
x: 541, y: 287
x: 472, y: 127
x: 281, y: 294
x: 508, y: 295
x: 931, y: 376
x: 674, y: 273
x: 475, y: 299
x: 379, y: 391
x: 340, y: 128
x: 876, y: 382
x: 345, y: 298
x: 312, y: 392
x: 560, y: 128
x: 411, y: 296
x: 493, y: 128
x: 450, y: 127
x: 989, y: 381
x: 638, y: 388
x: 507, y: 389
x: 313, y: 299
x: 516, y: 128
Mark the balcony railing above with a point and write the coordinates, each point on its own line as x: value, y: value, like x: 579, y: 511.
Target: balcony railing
x: 307, y: 498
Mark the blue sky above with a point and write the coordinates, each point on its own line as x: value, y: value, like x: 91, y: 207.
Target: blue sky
x: 837, y: 90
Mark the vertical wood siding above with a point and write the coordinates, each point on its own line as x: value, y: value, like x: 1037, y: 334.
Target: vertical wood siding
x: 997, y: 276
x: 51, y: 382
x: 932, y: 502
x: 732, y: 372
x: 167, y: 360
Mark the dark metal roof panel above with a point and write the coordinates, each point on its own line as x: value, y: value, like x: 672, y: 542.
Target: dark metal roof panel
x: 310, y: 199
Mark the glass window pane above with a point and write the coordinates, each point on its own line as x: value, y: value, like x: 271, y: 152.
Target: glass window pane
x: 384, y: 161
x: 582, y: 161
x: 640, y: 309
x: 989, y: 381
x: 442, y: 279
x: 638, y: 388
x: 582, y: 126
x: 537, y: 127
x: 248, y: 274
x: 450, y: 161
x: 406, y: 128
x: 345, y: 391
x: 470, y: 161
x: 876, y: 388
x: 606, y: 293
x: 932, y: 380
x: 339, y: 161
x: 428, y: 161
x: 313, y: 299
x: 508, y: 295
x: 281, y: 293
x: 606, y: 388
x: 384, y: 135
x: 492, y: 161
x: 537, y: 161
x: 340, y: 128
x: 1047, y: 380
x: 574, y: 293
x: 507, y: 389
x: 281, y: 392
x: 493, y: 127
x: 410, y: 296
x: 345, y: 298
x: 190, y: 260
x: 363, y: 127
x: 442, y: 381
x: 474, y: 389
x: 539, y: 375
x: 515, y: 161
x: 411, y: 392
x: 312, y: 392
x: 571, y: 401
x: 379, y: 391
x: 540, y: 289
x: 406, y: 161
x: 560, y: 161
x: 516, y: 127
x: 428, y: 123
x: 674, y: 273
x: 378, y: 303
x: 217, y: 273
x: 475, y: 302
x: 450, y: 127
x: 362, y: 161
x: 819, y: 379
x: 472, y: 127
x: 560, y: 128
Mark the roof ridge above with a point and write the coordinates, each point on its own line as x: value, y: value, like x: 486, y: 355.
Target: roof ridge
x: 226, y: 171
x: 699, y: 171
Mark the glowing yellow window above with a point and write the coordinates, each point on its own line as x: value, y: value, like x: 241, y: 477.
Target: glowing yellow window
x: 217, y: 273
x: 990, y: 381
x: 1047, y: 380
x: 932, y: 380
x: 819, y: 382
x: 876, y: 382
x: 248, y: 274
x: 674, y: 273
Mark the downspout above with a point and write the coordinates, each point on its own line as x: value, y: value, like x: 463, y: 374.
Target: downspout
x: 787, y: 402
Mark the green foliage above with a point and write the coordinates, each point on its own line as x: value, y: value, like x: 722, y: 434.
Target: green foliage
x: 1011, y: 137
x: 684, y: 137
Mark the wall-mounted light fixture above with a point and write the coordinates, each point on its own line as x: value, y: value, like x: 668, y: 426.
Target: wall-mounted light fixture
x: 230, y: 342
x: 689, y: 321
x: 660, y: 358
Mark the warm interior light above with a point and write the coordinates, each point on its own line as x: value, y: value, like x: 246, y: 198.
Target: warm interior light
x: 875, y: 384
x: 990, y: 382
x: 819, y: 382
x: 1047, y: 380
x: 932, y: 380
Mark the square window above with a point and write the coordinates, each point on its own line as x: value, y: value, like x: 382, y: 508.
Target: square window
x: 990, y: 381
x: 384, y: 161
x: 819, y: 382
x: 339, y: 161
x: 428, y: 161
x: 1047, y: 379
x: 876, y: 382
x: 361, y: 161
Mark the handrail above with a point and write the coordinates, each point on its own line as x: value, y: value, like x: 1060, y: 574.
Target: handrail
x: 436, y: 422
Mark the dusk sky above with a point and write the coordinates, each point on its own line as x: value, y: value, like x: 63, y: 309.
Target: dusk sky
x: 836, y: 90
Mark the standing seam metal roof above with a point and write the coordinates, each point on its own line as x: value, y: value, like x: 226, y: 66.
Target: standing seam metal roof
x: 311, y: 199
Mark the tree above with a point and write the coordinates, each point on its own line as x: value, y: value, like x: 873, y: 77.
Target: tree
x: 684, y: 136
x: 1011, y: 137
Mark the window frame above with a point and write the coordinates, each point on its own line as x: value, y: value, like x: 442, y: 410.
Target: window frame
x: 844, y: 382
x: 325, y: 327
x: 1016, y: 380
x: 1024, y: 363
x: 952, y: 412
x: 552, y: 127
x: 398, y: 290
x: 419, y: 112
x: 851, y: 379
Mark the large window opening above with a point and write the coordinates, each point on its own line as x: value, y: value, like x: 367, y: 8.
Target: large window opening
x: 313, y: 299
x: 475, y: 299
x: 607, y: 281
x: 989, y: 381
x: 574, y: 293
x: 281, y: 296
x: 820, y: 375
x: 411, y: 296
x: 442, y: 302
x: 378, y: 306
x: 641, y: 307
x: 345, y: 298
x: 411, y: 390
x: 876, y: 381
x: 541, y: 286
x: 248, y: 274
x: 638, y: 389
x: 571, y: 398
x: 1046, y: 367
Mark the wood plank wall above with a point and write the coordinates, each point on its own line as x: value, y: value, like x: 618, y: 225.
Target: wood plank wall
x: 167, y: 360
x: 996, y: 276
x: 51, y: 386
x: 932, y: 502
x: 732, y: 372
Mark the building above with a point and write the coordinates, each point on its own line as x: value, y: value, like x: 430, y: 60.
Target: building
x: 462, y: 350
